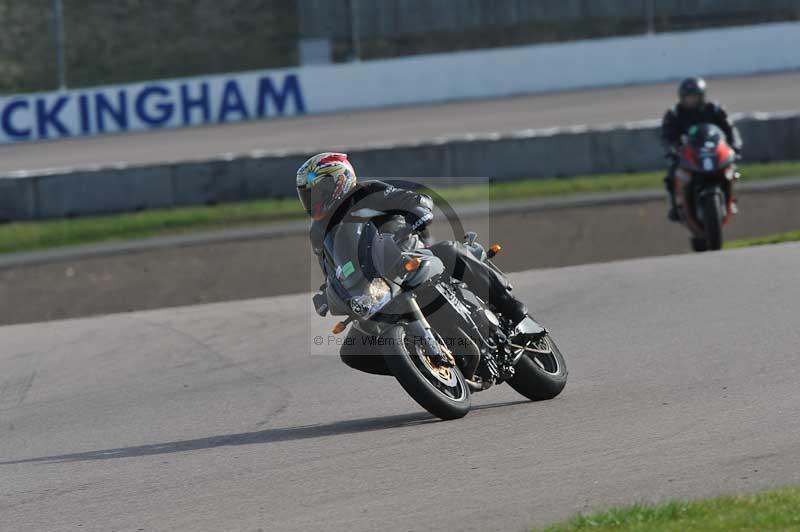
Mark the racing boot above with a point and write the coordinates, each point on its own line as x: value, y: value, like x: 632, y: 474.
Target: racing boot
x: 672, y: 213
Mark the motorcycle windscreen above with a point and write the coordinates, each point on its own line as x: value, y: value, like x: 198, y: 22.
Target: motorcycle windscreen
x: 705, y: 136
x: 703, y: 144
x: 346, y: 250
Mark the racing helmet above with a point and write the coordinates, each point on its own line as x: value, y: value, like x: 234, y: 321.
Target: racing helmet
x: 322, y: 181
x: 694, y: 86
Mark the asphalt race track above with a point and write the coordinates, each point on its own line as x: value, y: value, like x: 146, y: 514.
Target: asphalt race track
x: 775, y: 92
x: 683, y: 383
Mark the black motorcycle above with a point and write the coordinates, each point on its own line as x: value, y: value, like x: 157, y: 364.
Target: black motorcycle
x: 704, y: 185
x: 413, y: 320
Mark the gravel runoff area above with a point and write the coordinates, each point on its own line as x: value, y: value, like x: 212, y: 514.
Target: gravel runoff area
x: 255, y: 263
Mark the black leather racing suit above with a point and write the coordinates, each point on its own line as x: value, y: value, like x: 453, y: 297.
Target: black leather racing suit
x: 390, y: 209
x: 679, y: 119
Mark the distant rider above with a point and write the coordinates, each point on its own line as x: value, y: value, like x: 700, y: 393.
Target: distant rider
x: 691, y: 109
x: 329, y: 191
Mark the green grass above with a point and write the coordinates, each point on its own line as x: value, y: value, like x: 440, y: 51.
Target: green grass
x: 790, y: 236
x: 28, y: 236
x: 771, y: 510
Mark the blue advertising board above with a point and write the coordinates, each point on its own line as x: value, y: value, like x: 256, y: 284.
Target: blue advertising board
x: 152, y: 105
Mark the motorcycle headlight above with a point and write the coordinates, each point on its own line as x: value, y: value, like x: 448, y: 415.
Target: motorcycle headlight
x: 373, y: 299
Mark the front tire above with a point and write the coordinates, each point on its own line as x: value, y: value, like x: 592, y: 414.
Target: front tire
x: 712, y: 220
x: 699, y: 244
x: 441, y: 391
x: 540, y: 376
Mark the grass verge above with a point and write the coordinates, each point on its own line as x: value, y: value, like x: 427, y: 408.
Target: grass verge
x: 789, y: 236
x: 771, y: 510
x: 27, y: 236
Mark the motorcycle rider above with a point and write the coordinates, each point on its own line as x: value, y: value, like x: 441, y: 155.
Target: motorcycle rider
x: 691, y: 109
x: 329, y: 190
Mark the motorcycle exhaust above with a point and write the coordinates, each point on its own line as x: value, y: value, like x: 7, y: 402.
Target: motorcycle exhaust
x: 473, y: 386
x: 478, y: 386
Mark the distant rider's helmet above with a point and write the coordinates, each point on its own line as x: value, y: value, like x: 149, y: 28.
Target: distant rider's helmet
x: 692, y: 92
x: 322, y: 181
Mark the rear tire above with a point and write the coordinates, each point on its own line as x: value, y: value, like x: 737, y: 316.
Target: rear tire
x: 539, y: 383
x: 403, y: 357
x: 712, y: 220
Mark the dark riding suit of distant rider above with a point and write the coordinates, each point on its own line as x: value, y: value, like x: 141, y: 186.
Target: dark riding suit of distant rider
x: 680, y: 118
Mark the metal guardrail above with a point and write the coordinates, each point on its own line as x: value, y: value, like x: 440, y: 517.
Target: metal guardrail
x: 528, y: 154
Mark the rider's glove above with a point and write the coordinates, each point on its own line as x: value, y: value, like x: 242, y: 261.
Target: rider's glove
x: 426, y: 201
x: 320, y: 304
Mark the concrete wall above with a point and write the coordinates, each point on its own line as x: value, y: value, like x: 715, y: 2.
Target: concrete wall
x: 132, y: 40
x: 411, y: 80
x: 564, y: 66
x: 526, y: 154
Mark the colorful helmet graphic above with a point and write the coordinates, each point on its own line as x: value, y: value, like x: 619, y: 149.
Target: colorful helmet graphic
x: 322, y: 181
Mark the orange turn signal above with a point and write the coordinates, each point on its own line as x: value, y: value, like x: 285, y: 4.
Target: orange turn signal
x: 494, y: 249
x: 339, y: 327
x: 413, y: 264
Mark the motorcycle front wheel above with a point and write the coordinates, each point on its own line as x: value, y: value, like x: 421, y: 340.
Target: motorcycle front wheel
x: 712, y: 220
x: 541, y: 373
x: 441, y: 390
x: 698, y: 244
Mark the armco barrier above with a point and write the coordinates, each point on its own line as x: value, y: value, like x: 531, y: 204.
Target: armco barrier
x: 18, y: 199
x: 526, y: 154
x: 102, y: 191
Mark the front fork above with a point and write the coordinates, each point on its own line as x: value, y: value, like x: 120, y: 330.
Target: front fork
x: 425, y: 333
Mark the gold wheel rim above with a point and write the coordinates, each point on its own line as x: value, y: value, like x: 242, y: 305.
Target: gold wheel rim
x: 443, y: 373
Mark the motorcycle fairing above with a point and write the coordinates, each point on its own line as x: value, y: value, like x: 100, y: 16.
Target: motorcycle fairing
x: 529, y: 326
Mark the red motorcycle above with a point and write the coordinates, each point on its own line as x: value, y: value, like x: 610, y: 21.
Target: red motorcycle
x: 704, y: 185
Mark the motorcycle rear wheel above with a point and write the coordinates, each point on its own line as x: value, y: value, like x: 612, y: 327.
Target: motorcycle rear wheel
x: 442, y: 391
x: 540, y: 376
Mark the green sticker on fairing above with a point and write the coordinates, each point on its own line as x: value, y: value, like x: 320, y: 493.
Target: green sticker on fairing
x: 348, y: 269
